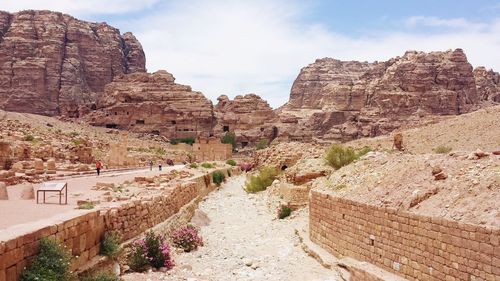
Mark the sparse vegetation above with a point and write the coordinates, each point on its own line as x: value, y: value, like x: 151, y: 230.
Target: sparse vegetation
x: 231, y: 162
x: 101, y: 276
x: 207, y: 165
x: 340, y: 186
x: 230, y: 137
x: 261, y: 144
x: 86, y: 206
x: 188, y: 140
x: 339, y: 156
x: 76, y: 142
x: 150, y: 251
x: 193, y: 165
x: 159, y: 151
x: 110, y: 246
x: 218, y: 177
x: 442, y: 149
x: 284, y: 211
x: 261, y: 181
x: 187, y: 238
x: 74, y: 134
x: 51, y: 264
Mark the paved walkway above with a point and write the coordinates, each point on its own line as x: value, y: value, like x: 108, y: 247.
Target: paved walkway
x: 243, y: 241
x: 16, y: 211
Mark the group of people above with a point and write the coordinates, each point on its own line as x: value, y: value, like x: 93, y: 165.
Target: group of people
x: 98, y: 165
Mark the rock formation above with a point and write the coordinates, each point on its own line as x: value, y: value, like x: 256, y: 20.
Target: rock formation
x: 487, y: 84
x: 155, y: 104
x: 344, y: 100
x: 249, y: 117
x: 54, y: 64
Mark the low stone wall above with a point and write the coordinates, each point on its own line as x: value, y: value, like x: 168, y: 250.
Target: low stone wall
x: 82, y: 233
x: 413, y: 246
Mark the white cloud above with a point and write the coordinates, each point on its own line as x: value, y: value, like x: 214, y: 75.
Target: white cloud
x: 237, y: 47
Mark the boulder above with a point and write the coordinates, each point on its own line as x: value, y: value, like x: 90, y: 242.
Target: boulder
x: 28, y: 193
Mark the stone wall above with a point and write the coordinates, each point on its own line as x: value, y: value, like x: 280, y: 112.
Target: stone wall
x: 82, y: 233
x: 413, y: 246
x: 211, y: 149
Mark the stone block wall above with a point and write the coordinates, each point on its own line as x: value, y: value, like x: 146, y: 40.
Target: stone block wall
x: 413, y: 246
x: 82, y: 233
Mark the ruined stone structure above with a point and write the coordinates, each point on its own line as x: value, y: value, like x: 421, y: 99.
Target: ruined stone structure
x: 249, y: 117
x: 155, y: 104
x: 118, y: 155
x: 211, y: 149
x: 54, y: 64
x: 6, y: 156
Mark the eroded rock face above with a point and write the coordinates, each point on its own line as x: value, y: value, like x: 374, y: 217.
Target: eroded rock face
x: 344, y: 100
x: 249, y: 117
x: 487, y: 84
x: 154, y: 103
x: 54, y: 64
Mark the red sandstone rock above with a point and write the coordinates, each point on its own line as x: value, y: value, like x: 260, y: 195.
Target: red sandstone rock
x: 154, y: 103
x: 54, y: 64
x: 487, y: 84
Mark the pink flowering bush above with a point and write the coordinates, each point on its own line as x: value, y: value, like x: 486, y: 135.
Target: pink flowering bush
x: 150, y: 251
x: 187, y: 238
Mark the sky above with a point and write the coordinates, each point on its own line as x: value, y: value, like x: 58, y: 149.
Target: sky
x: 236, y: 47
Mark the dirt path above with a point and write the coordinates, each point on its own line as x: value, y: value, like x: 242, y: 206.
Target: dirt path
x: 243, y: 241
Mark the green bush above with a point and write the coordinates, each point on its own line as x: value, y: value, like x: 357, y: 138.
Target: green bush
x: 339, y: 156
x: 284, y: 211
x: 207, y: 165
x: 29, y: 138
x: 442, y: 149
x: 263, y: 143
x: 51, y: 264
x: 188, y: 140
x: 261, y: 181
x: 231, y: 162
x: 193, y: 165
x: 229, y: 137
x: 363, y: 151
x: 110, y: 245
x: 218, y: 177
x: 101, y: 276
x: 76, y: 142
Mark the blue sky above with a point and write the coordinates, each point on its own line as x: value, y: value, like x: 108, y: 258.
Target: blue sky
x: 237, y: 47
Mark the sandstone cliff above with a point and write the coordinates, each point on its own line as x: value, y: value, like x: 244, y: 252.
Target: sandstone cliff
x: 54, y: 64
x: 249, y: 117
x: 155, y: 104
x: 344, y: 100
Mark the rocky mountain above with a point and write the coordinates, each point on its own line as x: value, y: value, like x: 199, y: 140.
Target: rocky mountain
x: 54, y: 64
x: 344, y: 100
x: 155, y: 104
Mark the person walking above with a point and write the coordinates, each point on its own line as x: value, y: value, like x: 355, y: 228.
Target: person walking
x: 159, y: 165
x: 98, y: 167
x: 150, y: 162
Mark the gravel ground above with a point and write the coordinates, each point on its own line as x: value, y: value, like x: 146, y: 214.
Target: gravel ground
x: 243, y: 241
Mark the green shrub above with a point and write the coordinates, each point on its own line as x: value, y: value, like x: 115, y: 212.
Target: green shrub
x: 51, y: 264
x: 263, y: 143
x: 86, y: 206
x: 207, y: 165
x: 188, y: 140
x: 29, y: 138
x: 101, y: 276
x: 442, y: 149
x: 340, y: 186
x: 110, y: 245
x: 74, y: 134
x: 284, y: 211
x: 231, y: 162
x: 218, y: 177
x: 339, y: 156
x: 261, y: 181
x: 193, y: 165
x: 76, y: 141
x: 230, y: 138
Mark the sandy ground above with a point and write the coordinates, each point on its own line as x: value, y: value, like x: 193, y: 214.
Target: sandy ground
x: 17, y: 211
x: 243, y: 241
